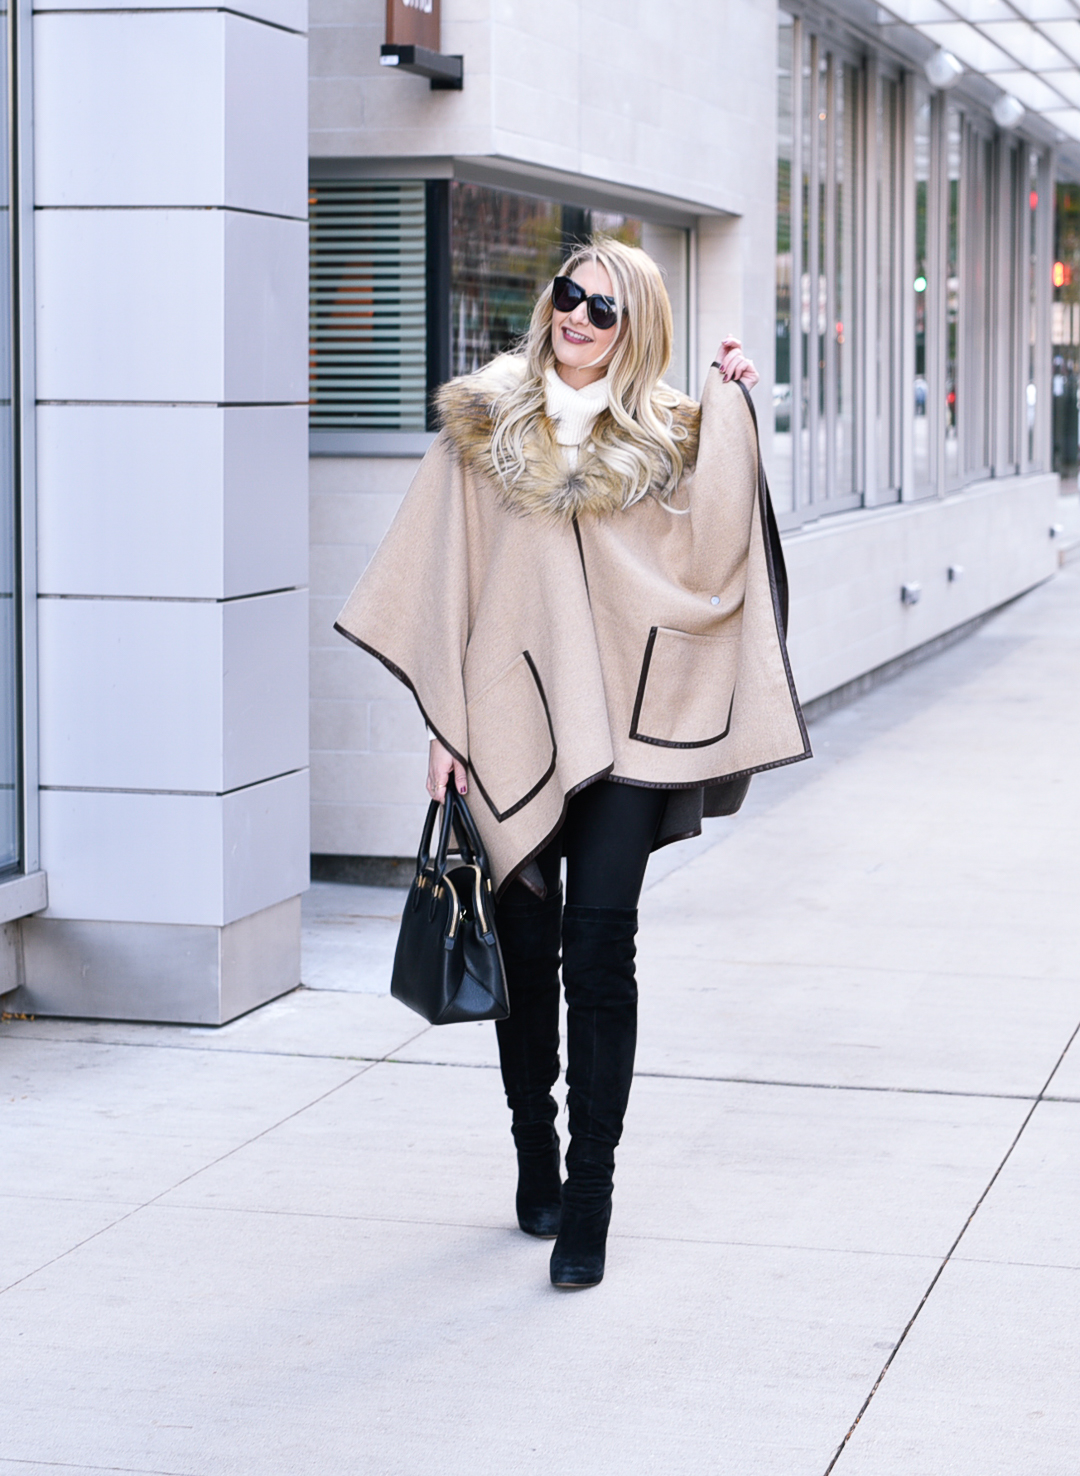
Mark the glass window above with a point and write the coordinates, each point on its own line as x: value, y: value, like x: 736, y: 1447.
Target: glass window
x: 921, y: 396
x: 953, y: 155
x: 10, y: 786
x: 505, y: 246
x: 368, y: 305
x: 1012, y: 308
x: 1032, y: 325
x: 413, y: 281
x: 817, y: 203
x: 807, y: 261
x: 889, y: 241
x: 977, y: 267
x: 1065, y: 330
x: 842, y: 276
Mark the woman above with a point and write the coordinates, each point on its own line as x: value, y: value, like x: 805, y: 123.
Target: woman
x: 583, y: 590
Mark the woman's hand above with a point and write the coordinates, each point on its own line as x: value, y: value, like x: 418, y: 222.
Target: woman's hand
x: 735, y: 365
x: 441, y: 765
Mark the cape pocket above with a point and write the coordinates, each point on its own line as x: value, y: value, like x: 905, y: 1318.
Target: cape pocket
x: 687, y: 689
x: 512, y: 747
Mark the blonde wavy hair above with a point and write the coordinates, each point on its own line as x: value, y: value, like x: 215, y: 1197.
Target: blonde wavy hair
x: 637, y: 439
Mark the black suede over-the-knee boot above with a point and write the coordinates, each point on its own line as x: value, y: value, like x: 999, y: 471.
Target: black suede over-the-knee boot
x: 601, y: 1036
x: 529, y: 936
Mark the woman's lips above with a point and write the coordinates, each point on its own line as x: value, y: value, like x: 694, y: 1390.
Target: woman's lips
x: 573, y: 336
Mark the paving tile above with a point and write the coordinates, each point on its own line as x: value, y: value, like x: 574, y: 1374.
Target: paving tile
x: 455, y: 1045
x: 303, y: 1023
x: 985, y: 1383
x: 1066, y: 1082
x: 348, y: 937
x: 264, y: 1344
x: 35, y: 1230
x: 1032, y: 1213
x: 120, y: 1123
x: 700, y: 1161
x: 859, y: 1025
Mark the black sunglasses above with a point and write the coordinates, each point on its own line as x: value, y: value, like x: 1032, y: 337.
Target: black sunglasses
x: 566, y: 294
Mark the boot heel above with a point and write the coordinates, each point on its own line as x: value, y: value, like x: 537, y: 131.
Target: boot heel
x: 578, y: 1258
x: 539, y: 1188
x: 539, y: 1194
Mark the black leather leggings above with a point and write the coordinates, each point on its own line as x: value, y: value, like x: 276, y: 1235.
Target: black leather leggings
x: 606, y: 839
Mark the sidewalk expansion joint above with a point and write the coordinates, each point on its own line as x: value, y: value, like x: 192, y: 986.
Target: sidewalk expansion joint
x: 951, y: 1252
x: 763, y: 1081
x: 187, y: 1178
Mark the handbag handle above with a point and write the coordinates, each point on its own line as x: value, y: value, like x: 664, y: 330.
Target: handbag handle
x: 468, y: 834
x: 423, y: 855
x: 456, y: 816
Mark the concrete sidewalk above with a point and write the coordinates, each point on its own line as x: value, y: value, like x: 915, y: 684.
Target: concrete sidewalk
x: 287, y: 1246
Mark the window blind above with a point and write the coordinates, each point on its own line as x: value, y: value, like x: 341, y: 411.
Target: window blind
x: 368, y: 305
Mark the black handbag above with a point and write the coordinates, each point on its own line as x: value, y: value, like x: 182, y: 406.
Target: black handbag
x: 448, y: 966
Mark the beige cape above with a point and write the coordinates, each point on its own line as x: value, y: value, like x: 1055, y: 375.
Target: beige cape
x: 549, y: 645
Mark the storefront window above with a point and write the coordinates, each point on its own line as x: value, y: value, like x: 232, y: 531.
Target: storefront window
x: 815, y: 386
x: 921, y: 287
x: 1065, y: 330
x: 977, y: 267
x: 842, y: 342
x: 504, y: 247
x: 889, y: 255
x: 368, y: 305
x: 412, y: 282
x: 1032, y: 336
x: 953, y: 155
x: 781, y: 474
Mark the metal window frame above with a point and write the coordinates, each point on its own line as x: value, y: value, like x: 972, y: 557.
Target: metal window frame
x: 811, y: 492
x: 1005, y: 461
x: 1044, y: 255
x: 21, y: 898
x: 991, y: 380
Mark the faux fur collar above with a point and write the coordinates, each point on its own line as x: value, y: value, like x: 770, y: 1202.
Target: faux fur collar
x: 549, y: 487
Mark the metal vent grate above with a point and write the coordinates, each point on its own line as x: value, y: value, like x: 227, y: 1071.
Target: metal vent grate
x: 368, y: 305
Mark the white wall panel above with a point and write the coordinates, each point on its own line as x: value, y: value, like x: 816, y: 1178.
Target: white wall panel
x: 129, y: 109
x: 266, y: 94
x: 682, y: 105
x: 846, y: 573
x: 133, y: 857
x: 189, y: 501
x: 172, y: 695
x: 130, y: 305
x: 169, y: 108
x: 267, y: 846
x: 266, y: 507
x: 168, y: 305
x: 265, y: 684
x: 131, y: 694
x: 266, y: 308
x: 292, y: 14
x: 130, y: 500
x: 175, y: 858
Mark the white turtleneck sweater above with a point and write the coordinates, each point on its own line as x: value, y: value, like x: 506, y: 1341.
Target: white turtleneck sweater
x: 573, y: 410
